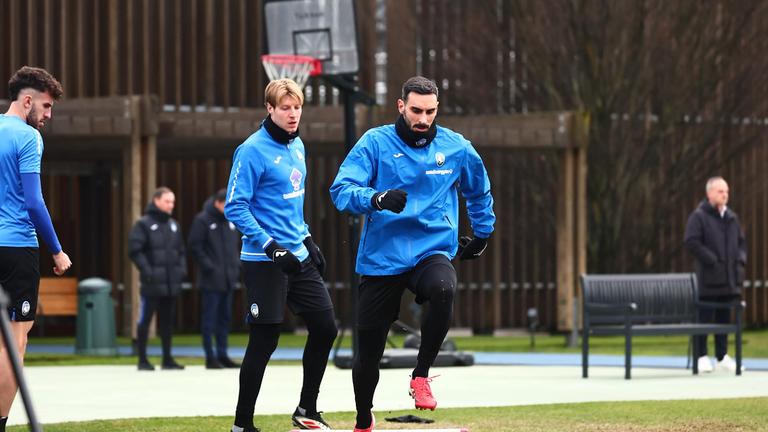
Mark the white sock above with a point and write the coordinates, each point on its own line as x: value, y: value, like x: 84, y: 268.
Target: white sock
x: 237, y: 429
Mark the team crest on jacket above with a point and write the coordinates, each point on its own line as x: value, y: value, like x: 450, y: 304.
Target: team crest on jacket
x: 212, y: 226
x: 296, y: 179
x: 231, y: 226
x: 254, y: 310
x: 154, y: 227
x: 174, y: 227
x: 25, y: 308
x: 440, y: 159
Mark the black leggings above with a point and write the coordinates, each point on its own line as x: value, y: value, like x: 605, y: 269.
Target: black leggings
x: 262, y: 342
x: 433, y: 281
x: 166, y: 308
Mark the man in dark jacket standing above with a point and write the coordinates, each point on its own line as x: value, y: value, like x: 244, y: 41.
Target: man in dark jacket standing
x: 215, y: 247
x: 714, y: 237
x: 156, y: 246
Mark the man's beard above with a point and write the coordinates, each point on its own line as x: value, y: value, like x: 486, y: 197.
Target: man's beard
x: 32, y: 118
x: 412, y: 126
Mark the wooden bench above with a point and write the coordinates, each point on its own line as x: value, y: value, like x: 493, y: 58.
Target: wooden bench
x: 57, y: 297
x: 648, y: 305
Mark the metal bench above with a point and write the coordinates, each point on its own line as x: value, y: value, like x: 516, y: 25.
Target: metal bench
x: 648, y: 305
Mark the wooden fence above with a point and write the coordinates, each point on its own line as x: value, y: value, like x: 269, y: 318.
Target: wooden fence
x: 202, y: 56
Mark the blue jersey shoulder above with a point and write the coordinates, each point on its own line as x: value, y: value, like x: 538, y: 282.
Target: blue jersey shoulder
x: 445, y: 135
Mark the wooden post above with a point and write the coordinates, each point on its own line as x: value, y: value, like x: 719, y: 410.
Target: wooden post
x: 580, y: 133
x: 497, y: 186
x: 401, y: 46
x: 566, y: 240
x: 572, y: 221
x: 114, y: 49
x: 139, y: 178
x: 118, y: 239
x: 132, y: 197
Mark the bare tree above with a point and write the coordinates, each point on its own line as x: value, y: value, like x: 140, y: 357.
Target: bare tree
x: 667, y: 87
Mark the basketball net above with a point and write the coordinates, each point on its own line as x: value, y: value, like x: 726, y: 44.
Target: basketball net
x: 296, y: 67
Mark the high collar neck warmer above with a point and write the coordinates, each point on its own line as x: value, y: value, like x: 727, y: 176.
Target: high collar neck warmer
x: 277, y: 133
x: 413, y: 138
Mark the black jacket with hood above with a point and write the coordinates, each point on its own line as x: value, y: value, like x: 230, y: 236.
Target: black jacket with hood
x: 214, y: 244
x: 718, y: 245
x: 156, y: 246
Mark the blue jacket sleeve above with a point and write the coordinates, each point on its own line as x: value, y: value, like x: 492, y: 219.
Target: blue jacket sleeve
x: 351, y: 189
x: 38, y: 212
x: 247, y: 168
x: 476, y: 189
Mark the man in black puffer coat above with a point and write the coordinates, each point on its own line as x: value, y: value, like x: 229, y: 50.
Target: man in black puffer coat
x: 714, y: 237
x: 156, y: 246
x: 214, y: 244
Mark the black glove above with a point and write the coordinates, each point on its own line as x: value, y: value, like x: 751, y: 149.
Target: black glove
x: 284, y: 258
x: 316, y: 255
x: 391, y: 199
x: 471, y: 248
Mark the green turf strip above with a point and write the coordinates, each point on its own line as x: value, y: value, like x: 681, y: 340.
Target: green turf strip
x: 746, y: 414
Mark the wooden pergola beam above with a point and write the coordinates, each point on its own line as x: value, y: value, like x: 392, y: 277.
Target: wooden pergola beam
x: 136, y: 126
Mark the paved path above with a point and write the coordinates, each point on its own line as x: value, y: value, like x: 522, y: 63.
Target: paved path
x: 481, y: 358
x: 70, y: 393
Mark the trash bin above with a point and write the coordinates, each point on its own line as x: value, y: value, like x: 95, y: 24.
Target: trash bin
x: 95, y: 318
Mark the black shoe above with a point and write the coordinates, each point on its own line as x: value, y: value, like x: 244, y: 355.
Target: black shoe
x: 213, y: 364
x: 172, y: 365
x: 306, y: 420
x: 146, y: 366
x: 228, y: 363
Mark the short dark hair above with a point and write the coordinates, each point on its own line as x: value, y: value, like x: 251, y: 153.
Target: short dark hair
x: 35, y: 78
x: 420, y: 85
x: 221, y: 195
x: 162, y: 190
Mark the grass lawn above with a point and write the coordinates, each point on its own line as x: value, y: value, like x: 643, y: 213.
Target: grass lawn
x: 755, y: 345
x: 747, y: 414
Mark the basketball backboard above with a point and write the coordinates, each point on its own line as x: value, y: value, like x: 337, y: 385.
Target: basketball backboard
x: 323, y: 29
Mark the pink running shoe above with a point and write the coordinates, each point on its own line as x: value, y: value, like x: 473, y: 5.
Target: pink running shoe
x: 369, y: 428
x: 422, y: 393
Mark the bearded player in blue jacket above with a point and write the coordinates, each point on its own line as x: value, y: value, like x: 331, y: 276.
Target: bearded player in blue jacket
x: 281, y: 263
x: 23, y: 214
x: 405, y: 178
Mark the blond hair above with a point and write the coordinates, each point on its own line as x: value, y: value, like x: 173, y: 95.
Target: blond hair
x: 278, y: 89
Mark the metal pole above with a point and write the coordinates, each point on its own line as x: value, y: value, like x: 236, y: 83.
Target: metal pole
x: 350, y: 137
x: 13, y: 356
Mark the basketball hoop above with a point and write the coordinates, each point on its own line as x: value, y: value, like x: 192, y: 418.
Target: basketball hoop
x: 296, y: 67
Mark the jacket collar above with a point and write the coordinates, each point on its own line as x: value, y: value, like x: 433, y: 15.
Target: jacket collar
x: 708, y: 208
x: 211, y: 210
x: 413, y: 138
x: 156, y: 213
x: 277, y: 133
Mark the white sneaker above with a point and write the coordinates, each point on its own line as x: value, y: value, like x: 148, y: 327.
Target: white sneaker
x: 728, y: 364
x: 705, y: 365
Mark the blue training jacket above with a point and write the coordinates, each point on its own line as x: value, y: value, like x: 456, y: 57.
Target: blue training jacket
x: 265, y: 195
x: 394, y: 243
